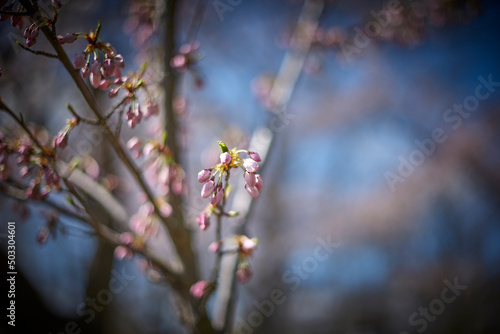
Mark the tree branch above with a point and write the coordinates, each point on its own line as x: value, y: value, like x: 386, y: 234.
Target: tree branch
x: 261, y: 141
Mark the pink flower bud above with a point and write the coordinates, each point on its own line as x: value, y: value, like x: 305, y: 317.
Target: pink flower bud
x: 108, y: 68
x: 30, y: 42
x: 248, y: 246
x: 95, y: 79
x: 104, y: 84
x: 119, y: 62
x: 96, y: 67
x: 244, y: 273
x: 79, y: 60
x: 86, y: 71
x: 250, y: 165
x: 198, y: 289
x: 250, y: 178
x: 214, y: 246
x: 204, y: 175
x: 117, y: 73
x: 165, y: 209
x: 151, y: 109
x: 68, y: 38
x: 203, y: 220
x: 207, y: 189
x: 43, y: 235
x: 225, y: 158
x: 127, y: 238
x: 122, y: 253
x: 113, y: 92
x: 217, y: 196
x: 258, y: 182
x: 134, y: 143
x: 254, y: 156
x: 252, y: 190
x: 179, y: 62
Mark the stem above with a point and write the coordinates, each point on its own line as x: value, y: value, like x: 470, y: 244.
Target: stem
x: 36, y: 52
x: 280, y: 94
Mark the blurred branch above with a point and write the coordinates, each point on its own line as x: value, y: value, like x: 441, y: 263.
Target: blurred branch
x: 194, y: 27
x: 261, y: 141
x: 182, y: 233
x: 20, y: 194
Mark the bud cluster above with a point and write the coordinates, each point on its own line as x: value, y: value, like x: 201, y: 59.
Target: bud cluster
x: 31, y: 161
x: 212, y: 179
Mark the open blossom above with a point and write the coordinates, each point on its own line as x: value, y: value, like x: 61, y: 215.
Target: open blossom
x: 198, y: 289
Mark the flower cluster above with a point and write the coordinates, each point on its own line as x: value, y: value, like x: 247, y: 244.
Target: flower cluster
x: 161, y: 172
x: 31, y: 161
x: 246, y: 247
x: 186, y: 58
x: 17, y: 21
x: 129, y: 243
x: 101, y: 63
x: 89, y: 61
x: 212, y: 179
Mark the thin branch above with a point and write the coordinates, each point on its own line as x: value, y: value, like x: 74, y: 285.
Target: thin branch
x: 114, y: 108
x: 261, y: 141
x: 19, y: 119
x: 179, y: 235
x: 36, y: 52
x: 20, y: 194
x: 80, y: 118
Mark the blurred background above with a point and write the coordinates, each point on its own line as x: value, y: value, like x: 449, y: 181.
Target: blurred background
x: 381, y: 206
